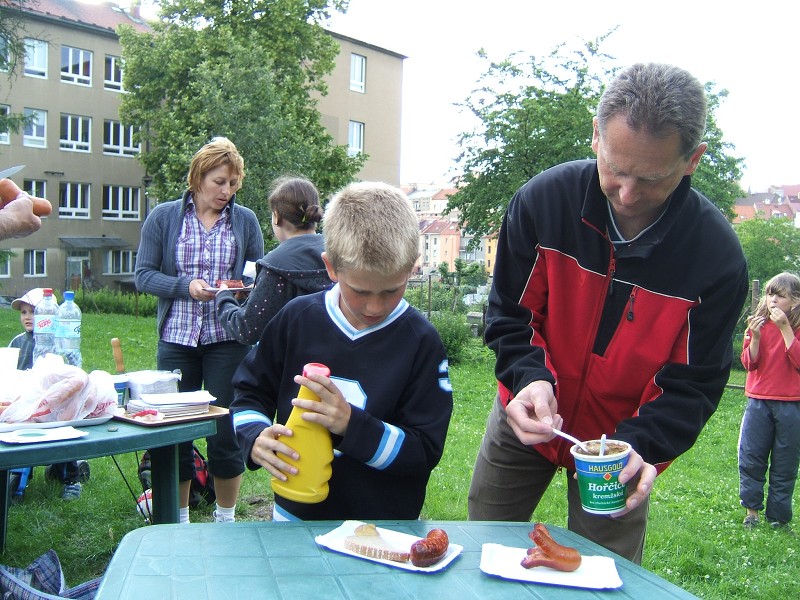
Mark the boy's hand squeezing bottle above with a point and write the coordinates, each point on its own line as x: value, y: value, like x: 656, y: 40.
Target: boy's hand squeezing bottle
x: 312, y: 443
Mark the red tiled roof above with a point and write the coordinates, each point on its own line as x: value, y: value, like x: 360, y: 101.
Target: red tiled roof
x: 744, y: 213
x: 444, y: 193
x: 441, y: 228
x: 105, y: 16
x: 791, y: 190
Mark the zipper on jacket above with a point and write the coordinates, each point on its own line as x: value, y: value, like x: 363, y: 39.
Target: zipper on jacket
x: 629, y: 316
x: 611, y: 271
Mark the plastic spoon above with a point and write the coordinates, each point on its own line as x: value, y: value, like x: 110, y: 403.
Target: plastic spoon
x: 602, y: 444
x: 567, y: 436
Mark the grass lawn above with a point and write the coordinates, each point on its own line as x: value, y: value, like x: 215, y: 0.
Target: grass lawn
x: 695, y: 538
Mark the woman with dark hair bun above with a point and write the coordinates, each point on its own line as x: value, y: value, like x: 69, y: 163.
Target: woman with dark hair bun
x: 292, y: 269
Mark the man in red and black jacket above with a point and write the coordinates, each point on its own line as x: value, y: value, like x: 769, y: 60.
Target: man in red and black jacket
x: 616, y: 291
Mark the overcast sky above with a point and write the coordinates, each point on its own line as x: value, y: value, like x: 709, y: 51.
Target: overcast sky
x: 748, y: 48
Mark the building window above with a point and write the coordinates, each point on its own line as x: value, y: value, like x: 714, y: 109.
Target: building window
x: 120, y: 262
x: 5, y: 54
x: 355, y: 138
x: 73, y: 200
x: 76, y: 65
x: 35, y: 187
x: 35, y: 263
x: 5, y: 266
x: 118, y: 139
x: 113, y: 73
x: 76, y: 133
x: 35, y: 132
x: 4, y: 110
x: 358, y: 73
x: 35, y: 58
x: 121, y: 202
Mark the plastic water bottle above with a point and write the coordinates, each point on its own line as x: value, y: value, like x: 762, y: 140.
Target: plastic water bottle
x: 44, y: 325
x: 68, y: 331
x: 314, y: 445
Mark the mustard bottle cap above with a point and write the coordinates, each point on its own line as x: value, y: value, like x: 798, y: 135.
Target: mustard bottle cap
x: 316, y: 369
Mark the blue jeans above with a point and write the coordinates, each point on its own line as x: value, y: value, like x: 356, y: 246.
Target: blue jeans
x: 769, y: 440
x: 210, y: 367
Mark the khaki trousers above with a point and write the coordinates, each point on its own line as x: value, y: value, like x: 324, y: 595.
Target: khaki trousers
x: 510, y: 479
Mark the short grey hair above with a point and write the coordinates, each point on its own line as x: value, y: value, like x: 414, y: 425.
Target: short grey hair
x: 659, y: 98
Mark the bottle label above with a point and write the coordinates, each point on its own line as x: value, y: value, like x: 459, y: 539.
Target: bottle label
x: 45, y: 324
x: 68, y: 328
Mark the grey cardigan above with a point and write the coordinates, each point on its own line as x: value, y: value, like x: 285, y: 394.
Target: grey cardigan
x: 156, y: 271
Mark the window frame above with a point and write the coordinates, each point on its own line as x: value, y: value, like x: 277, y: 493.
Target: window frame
x: 355, y: 138
x: 358, y: 73
x: 29, y: 139
x: 76, y: 72
x: 118, y: 139
x: 5, y: 266
x: 117, y: 260
x: 35, y: 63
x: 78, y: 207
x: 113, y: 66
x: 35, y: 187
x: 123, y: 196
x: 78, y: 135
x: 5, y: 54
x: 32, y: 259
x: 5, y: 137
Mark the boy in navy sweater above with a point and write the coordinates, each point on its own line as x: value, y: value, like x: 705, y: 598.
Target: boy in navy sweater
x: 388, y: 401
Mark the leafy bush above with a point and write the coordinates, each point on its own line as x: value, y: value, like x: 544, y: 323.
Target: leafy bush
x: 455, y: 333
x: 443, y: 297
x: 106, y: 301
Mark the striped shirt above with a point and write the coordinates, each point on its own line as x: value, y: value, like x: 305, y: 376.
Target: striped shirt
x: 200, y: 254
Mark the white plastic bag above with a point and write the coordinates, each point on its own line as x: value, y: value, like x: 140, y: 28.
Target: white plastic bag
x: 102, y: 401
x: 50, y: 391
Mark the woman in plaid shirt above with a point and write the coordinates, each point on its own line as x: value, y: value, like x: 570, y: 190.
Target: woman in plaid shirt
x: 186, y: 246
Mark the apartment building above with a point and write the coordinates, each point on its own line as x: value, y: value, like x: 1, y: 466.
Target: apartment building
x: 81, y: 158
x: 363, y: 106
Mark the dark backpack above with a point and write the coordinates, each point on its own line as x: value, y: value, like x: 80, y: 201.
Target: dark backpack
x: 202, y: 487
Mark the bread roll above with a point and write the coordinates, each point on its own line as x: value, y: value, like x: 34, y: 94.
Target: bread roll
x: 367, y: 541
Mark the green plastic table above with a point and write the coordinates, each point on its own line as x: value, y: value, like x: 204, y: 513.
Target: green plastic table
x: 113, y: 437
x: 254, y: 560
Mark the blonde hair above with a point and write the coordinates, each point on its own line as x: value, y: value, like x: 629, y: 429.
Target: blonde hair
x: 371, y: 226
x: 786, y: 285
x: 219, y: 151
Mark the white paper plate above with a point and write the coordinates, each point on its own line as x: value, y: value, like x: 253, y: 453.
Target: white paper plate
x: 50, y: 425
x: 334, y: 540
x: 248, y: 288
x: 595, y: 572
x: 33, y: 436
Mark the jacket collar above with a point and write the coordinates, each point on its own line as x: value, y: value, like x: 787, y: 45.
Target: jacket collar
x: 595, y: 214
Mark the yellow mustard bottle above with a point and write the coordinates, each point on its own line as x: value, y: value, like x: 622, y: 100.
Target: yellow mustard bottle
x: 314, y: 445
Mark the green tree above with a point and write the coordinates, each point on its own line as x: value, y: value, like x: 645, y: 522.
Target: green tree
x: 770, y: 245
x: 535, y: 113
x: 435, y: 296
x: 532, y: 114
x: 444, y: 272
x: 12, y: 51
x: 473, y: 275
x: 245, y: 69
x: 718, y: 174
